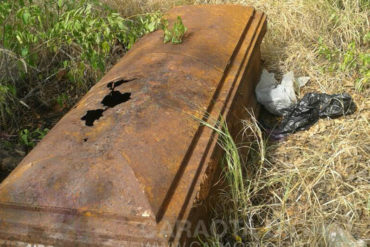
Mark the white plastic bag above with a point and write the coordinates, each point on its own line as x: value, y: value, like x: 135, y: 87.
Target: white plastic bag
x: 273, y: 96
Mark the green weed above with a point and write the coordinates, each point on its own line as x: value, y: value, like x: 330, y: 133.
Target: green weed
x: 7, y: 92
x: 30, y: 138
x: 50, y: 48
x: 351, y: 60
x: 62, y: 99
x: 174, y: 35
x: 238, y: 164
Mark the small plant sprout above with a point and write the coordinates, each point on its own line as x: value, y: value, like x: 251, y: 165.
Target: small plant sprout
x: 30, y: 138
x: 176, y: 34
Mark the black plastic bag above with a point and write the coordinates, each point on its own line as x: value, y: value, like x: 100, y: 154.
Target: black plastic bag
x: 310, y: 108
x: 336, y: 105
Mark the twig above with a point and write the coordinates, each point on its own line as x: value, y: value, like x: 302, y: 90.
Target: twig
x: 12, y: 54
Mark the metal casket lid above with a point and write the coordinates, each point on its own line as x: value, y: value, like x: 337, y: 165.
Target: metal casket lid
x: 128, y: 158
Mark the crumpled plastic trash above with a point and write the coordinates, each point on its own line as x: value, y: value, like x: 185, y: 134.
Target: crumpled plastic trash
x: 276, y: 97
x: 310, y: 108
x: 302, y: 81
x: 335, y: 236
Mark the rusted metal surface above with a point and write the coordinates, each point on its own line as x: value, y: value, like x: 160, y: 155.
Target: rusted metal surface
x: 129, y: 160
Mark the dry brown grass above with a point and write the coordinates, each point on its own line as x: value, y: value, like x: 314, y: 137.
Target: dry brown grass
x: 309, y: 181
x: 294, y: 30
x: 133, y: 7
x: 320, y: 176
x: 316, y: 177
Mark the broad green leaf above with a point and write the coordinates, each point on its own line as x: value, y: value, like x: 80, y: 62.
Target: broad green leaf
x: 151, y: 26
x: 19, y: 39
x: 60, y: 3
x: 24, y: 52
x: 26, y: 16
x: 106, y: 47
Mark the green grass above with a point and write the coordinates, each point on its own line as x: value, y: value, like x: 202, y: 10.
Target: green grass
x: 241, y: 163
x: 52, y: 52
x: 282, y: 194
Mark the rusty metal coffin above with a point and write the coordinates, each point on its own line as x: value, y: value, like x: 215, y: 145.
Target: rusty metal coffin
x: 129, y: 160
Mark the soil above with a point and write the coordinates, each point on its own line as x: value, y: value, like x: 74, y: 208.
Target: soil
x: 9, y: 159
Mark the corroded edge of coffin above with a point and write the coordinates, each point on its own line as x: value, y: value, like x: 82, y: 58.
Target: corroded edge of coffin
x: 233, y: 112
x: 237, y: 83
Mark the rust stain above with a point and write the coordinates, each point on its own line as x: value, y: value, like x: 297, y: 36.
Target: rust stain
x: 130, y: 158
x: 88, y: 214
